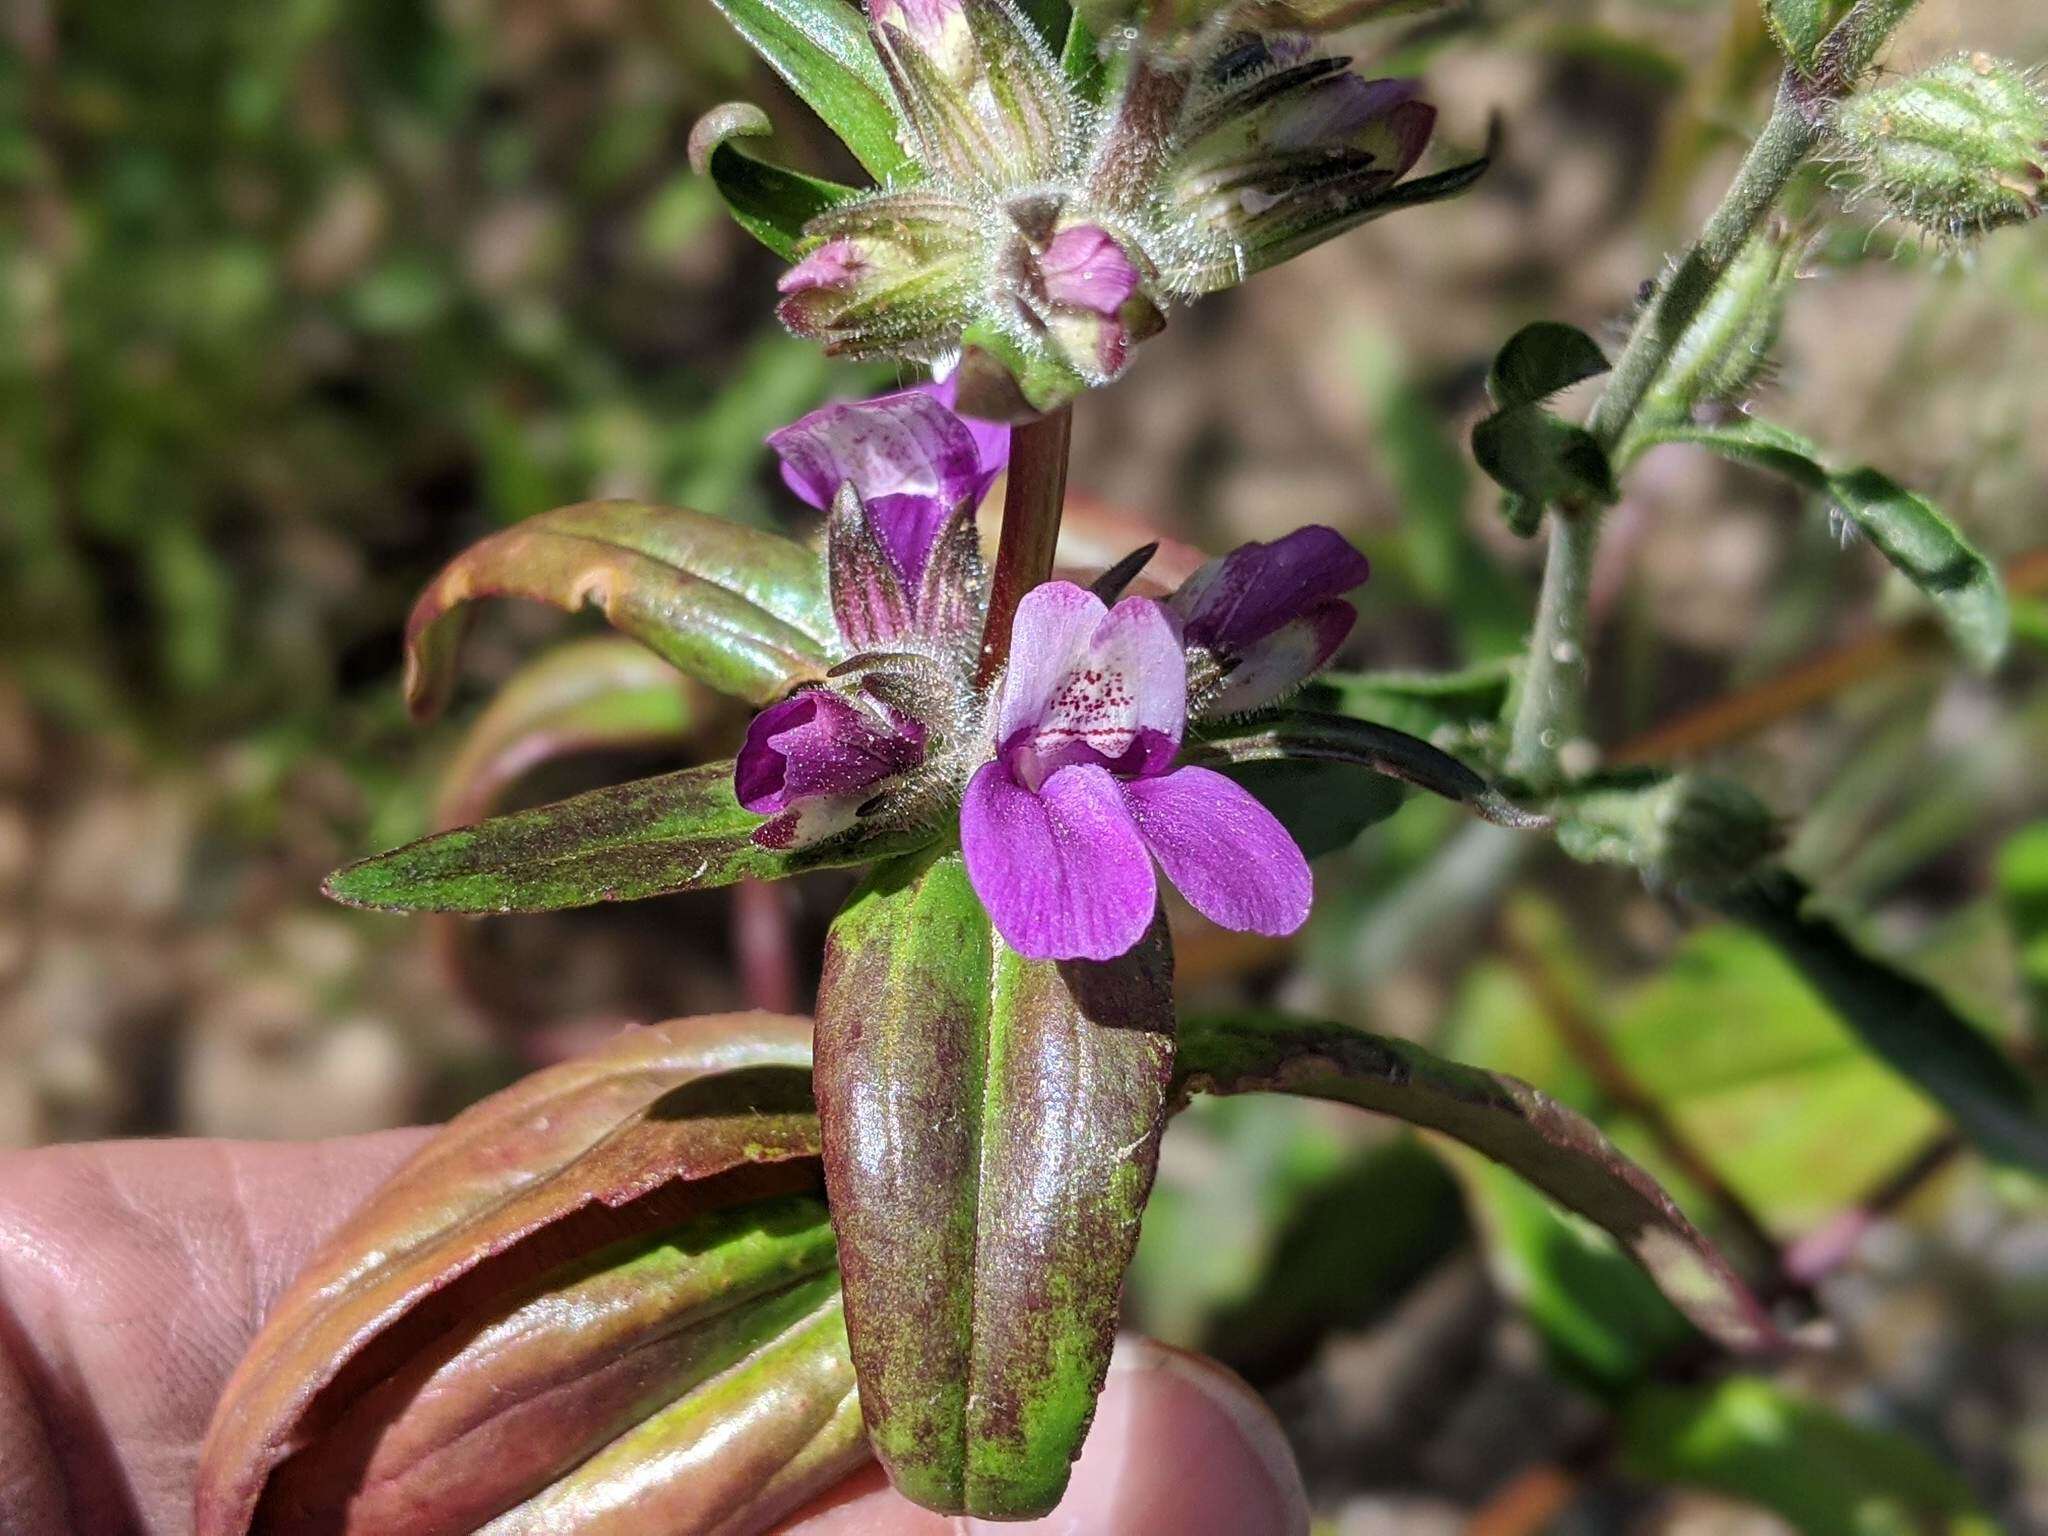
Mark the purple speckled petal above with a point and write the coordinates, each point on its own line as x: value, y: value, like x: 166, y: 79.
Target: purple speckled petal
x: 911, y: 459
x: 991, y: 438
x: 1085, y: 268
x: 1222, y: 850
x: 1062, y: 872
x: 1271, y: 668
x: 815, y: 744
x: 1091, y: 683
x: 1250, y: 593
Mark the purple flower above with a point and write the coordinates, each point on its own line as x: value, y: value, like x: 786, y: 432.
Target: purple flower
x: 1061, y: 829
x: 1272, y: 614
x: 909, y: 458
x: 813, y: 760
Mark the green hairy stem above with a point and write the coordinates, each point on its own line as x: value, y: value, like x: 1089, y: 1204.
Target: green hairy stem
x: 1550, y: 705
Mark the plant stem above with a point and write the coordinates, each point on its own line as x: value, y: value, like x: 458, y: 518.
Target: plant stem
x: 1036, y: 493
x: 1550, y: 704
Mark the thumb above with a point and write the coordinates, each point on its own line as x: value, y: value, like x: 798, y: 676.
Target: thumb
x: 1179, y: 1444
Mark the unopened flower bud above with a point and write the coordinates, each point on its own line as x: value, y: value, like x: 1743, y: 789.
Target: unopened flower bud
x: 1958, y: 148
x: 811, y: 762
x: 1728, y: 345
x: 1084, y: 288
x: 889, y: 276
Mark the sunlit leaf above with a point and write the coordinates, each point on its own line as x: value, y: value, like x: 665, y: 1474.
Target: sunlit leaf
x: 821, y: 47
x: 991, y: 1126
x: 619, y: 1265
x: 1902, y: 1019
x: 1554, y: 1148
x: 1825, y: 1474
x: 679, y: 831
x: 743, y: 610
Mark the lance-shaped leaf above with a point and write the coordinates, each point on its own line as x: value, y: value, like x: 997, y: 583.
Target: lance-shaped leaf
x: 582, y: 696
x: 991, y: 1127
x: 1534, y: 456
x: 1555, y: 1148
x: 770, y: 202
x: 604, y: 1262
x: 745, y: 611
x: 1908, y: 530
x: 1901, y: 1018
x: 679, y: 831
x: 821, y: 47
x: 1304, y: 736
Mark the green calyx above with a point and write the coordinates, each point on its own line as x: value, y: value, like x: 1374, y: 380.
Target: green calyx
x: 1957, y: 149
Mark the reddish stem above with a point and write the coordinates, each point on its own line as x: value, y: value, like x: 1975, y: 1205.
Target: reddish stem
x: 1036, y: 493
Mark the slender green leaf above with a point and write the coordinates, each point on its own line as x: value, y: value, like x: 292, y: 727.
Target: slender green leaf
x: 1456, y: 711
x: 1082, y: 61
x: 770, y: 202
x: 743, y: 610
x: 822, y: 48
x: 677, y: 832
x: 1556, y: 1149
x: 1825, y: 1474
x: 1902, y: 1019
x: 1908, y: 530
x: 1303, y: 736
x: 991, y: 1126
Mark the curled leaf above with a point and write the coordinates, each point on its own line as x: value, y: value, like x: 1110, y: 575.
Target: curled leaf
x: 991, y: 1126
x: 821, y: 47
x: 1533, y: 455
x: 742, y: 610
x: 1554, y: 1148
x: 618, y: 1261
x: 770, y: 202
x: 679, y: 831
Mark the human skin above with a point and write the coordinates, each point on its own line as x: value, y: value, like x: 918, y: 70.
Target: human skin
x: 133, y: 1275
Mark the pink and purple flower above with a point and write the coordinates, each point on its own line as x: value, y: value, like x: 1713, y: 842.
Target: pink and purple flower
x: 1062, y: 828
x: 811, y: 762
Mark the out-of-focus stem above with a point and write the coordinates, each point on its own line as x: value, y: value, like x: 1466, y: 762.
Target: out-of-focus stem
x: 1031, y: 528
x: 1550, y: 703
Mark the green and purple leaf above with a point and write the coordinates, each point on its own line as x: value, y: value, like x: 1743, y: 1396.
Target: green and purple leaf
x: 742, y: 610
x: 991, y: 1127
x: 590, y: 695
x: 1554, y: 1148
x: 680, y: 831
x: 619, y: 1262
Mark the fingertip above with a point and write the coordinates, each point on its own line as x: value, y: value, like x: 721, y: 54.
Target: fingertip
x: 1179, y: 1445
x: 1182, y: 1445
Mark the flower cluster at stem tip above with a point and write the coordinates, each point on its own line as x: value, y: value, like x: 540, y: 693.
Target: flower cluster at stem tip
x: 1047, y: 213
x: 1061, y: 773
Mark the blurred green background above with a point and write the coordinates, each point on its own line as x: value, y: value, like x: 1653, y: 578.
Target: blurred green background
x: 298, y: 297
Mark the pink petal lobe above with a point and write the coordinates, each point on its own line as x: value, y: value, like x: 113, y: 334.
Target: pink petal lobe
x: 1063, y: 873
x: 1223, y: 851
